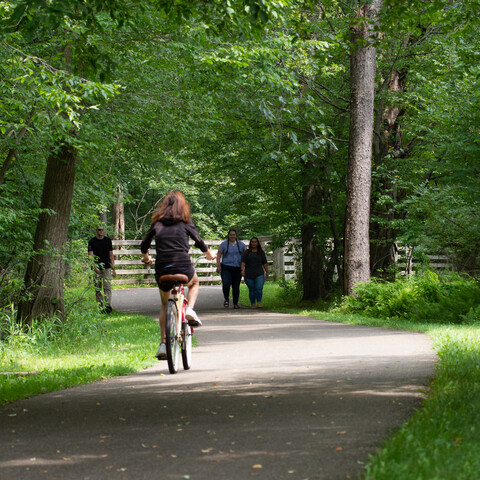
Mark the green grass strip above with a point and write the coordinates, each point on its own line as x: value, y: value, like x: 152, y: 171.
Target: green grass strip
x: 125, y: 344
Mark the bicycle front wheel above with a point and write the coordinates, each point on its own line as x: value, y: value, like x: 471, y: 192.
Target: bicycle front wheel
x: 173, y: 346
x: 186, y: 345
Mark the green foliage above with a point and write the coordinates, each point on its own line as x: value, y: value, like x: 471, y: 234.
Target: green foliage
x: 424, y: 298
x: 441, y: 440
x: 243, y: 123
x: 50, y: 355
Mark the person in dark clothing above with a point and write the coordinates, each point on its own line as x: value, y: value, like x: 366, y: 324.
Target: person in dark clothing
x: 229, y: 256
x: 171, y: 228
x: 254, y: 269
x: 101, y: 248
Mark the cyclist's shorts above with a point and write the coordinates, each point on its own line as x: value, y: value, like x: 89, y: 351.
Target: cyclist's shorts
x: 187, y: 270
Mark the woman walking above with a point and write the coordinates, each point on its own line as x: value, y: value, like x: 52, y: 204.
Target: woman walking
x: 229, y: 257
x: 254, y: 269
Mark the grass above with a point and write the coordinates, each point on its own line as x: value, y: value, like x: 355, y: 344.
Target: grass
x: 93, y: 347
x: 441, y: 441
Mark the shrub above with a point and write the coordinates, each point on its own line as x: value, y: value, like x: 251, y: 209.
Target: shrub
x: 424, y: 298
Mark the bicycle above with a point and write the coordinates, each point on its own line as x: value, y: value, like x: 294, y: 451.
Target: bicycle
x: 179, y: 333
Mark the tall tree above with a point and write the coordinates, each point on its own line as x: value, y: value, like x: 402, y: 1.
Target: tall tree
x: 43, y: 290
x: 362, y: 92
x: 43, y: 282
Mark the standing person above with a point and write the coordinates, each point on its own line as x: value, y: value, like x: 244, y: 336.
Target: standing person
x: 254, y: 269
x: 101, y: 248
x: 171, y: 227
x: 229, y: 257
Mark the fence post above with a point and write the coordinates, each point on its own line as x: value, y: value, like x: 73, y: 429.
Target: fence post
x: 278, y: 263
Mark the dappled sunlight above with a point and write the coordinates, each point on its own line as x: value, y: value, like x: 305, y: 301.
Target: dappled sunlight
x: 267, y: 392
x: 46, y: 462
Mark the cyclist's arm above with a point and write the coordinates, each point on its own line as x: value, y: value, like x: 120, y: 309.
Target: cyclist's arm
x: 209, y: 255
x: 145, y: 245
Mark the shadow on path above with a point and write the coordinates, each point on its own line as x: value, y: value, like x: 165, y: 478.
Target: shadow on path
x: 269, y: 396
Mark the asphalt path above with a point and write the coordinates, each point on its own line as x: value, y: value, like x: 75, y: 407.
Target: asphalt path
x: 269, y: 396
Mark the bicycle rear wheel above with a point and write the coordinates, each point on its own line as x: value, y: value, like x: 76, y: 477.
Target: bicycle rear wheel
x: 187, y: 334
x: 171, y: 339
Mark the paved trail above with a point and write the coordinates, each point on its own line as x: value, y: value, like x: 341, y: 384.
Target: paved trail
x: 269, y: 396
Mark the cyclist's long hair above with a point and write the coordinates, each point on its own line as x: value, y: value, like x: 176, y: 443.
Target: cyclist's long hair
x: 174, y: 205
x: 259, y: 246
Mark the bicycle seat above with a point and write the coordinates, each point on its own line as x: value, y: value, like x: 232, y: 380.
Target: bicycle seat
x: 171, y: 279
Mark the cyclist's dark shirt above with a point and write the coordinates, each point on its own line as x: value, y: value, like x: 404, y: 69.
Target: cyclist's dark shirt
x: 101, y: 249
x: 172, y: 242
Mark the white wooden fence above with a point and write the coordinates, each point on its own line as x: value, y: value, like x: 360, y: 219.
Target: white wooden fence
x: 282, y: 262
x: 131, y: 271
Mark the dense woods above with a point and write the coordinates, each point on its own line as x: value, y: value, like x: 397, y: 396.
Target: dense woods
x: 263, y: 113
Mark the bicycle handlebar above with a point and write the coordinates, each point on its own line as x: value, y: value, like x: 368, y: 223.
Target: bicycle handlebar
x: 200, y: 258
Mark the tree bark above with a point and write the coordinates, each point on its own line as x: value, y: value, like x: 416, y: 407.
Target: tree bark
x: 11, y: 155
x: 44, y: 292
x: 312, y: 255
x: 119, y: 217
x: 362, y: 87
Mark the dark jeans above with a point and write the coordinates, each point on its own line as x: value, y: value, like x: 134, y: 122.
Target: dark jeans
x: 231, y: 277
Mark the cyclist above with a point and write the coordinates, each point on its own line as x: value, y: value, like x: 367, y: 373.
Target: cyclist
x: 171, y: 228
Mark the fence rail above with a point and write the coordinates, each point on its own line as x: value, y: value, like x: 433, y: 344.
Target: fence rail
x: 282, y: 262
x: 131, y: 271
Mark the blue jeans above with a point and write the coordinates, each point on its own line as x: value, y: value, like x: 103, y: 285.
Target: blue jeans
x: 255, y: 288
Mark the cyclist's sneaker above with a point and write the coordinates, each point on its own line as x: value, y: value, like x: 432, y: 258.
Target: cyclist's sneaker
x: 162, y: 352
x: 192, y: 318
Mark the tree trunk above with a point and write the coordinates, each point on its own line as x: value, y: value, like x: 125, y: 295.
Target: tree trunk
x: 362, y: 87
x: 388, y: 139
x: 312, y: 256
x: 119, y: 217
x: 45, y: 270
x: 11, y: 155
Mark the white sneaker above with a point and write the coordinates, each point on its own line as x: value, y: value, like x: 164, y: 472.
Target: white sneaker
x: 162, y: 352
x: 192, y: 318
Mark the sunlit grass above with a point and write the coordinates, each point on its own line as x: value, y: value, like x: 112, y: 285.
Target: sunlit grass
x: 124, y: 344
x: 441, y: 440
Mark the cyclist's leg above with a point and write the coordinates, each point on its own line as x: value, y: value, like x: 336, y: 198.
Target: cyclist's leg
x: 192, y: 295
x: 236, y: 279
x: 250, y: 282
x: 193, y: 286
x: 163, y: 311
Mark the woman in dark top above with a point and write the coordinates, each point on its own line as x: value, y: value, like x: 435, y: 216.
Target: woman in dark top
x: 254, y: 269
x: 171, y: 227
